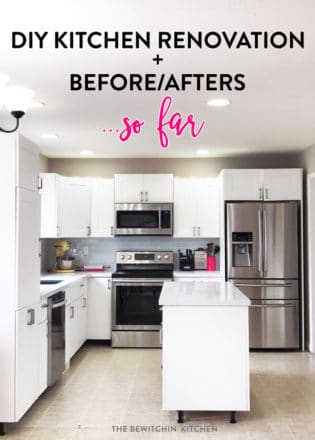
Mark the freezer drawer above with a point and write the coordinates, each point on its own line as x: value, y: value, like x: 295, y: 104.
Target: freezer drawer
x: 269, y: 289
x: 274, y: 324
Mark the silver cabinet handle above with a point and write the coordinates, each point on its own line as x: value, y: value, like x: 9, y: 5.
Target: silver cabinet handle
x: 40, y: 183
x: 161, y: 334
x: 198, y: 231
x: 108, y: 284
x: 44, y: 306
x: 146, y: 196
x: 194, y: 231
x: 266, y: 194
x: 141, y: 196
x: 82, y: 285
x: 58, y: 231
x: 39, y: 247
x: 260, y: 193
x: 71, y: 312
x: 112, y: 230
x: 84, y: 302
x: 88, y: 230
x: 30, y: 316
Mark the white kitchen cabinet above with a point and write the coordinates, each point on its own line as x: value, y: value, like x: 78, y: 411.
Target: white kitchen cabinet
x: 74, y: 207
x: 28, y: 244
x: 196, y: 207
x: 27, y: 389
x: 283, y: 184
x: 102, y: 207
x: 262, y: 184
x: 99, y: 308
x: 143, y: 188
x: 48, y: 192
x: 20, y: 287
x: 242, y: 184
x: 42, y: 356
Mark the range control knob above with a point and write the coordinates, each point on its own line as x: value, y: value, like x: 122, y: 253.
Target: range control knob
x: 129, y: 257
x: 159, y: 257
x: 122, y: 257
x: 166, y: 257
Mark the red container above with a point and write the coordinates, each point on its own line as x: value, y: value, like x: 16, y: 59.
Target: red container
x: 211, y: 263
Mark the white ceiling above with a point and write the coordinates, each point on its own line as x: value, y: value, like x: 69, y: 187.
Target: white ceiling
x: 274, y: 113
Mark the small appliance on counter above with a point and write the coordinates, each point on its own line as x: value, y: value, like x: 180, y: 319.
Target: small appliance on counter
x: 64, y: 257
x: 200, y: 259
x: 186, y: 261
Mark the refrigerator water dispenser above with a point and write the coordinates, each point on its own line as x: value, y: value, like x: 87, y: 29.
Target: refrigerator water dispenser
x: 242, y: 249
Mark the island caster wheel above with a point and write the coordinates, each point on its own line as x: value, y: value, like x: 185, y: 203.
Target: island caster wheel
x: 180, y: 416
x: 232, y: 417
x: 2, y: 429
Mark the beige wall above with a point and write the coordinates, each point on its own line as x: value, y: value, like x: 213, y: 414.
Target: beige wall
x: 43, y: 164
x: 179, y: 167
x: 308, y: 159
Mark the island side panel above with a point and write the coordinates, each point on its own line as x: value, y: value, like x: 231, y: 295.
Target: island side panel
x: 205, y: 358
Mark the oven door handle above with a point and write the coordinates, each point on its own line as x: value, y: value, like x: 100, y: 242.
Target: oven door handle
x: 139, y: 281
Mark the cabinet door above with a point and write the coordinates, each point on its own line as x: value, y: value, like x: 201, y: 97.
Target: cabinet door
x: 71, y: 324
x: 158, y: 188
x: 242, y: 184
x: 27, y: 164
x: 283, y: 184
x: 28, y: 258
x: 129, y: 188
x: 48, y: 195
x: 207, y: 207
x: 73, y: 207
x: 83, y: 319
x: 42, y: 356
x: 102, y: 207
x: 26, y: 359
x: 184, y: 208
x: 99, y: 308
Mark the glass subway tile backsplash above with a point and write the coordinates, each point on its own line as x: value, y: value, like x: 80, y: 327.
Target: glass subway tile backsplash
x: 103, y: 250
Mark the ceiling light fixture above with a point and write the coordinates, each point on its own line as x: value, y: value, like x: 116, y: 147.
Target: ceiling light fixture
x: 49, y: 136
x: 86, y: 153
x: 219, y: 102
x: 17, y: 100
x: 202, y: 152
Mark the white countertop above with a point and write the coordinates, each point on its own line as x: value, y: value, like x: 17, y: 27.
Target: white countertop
x: 202, y: 293
x: 197, y: 274
x: 67, y: 279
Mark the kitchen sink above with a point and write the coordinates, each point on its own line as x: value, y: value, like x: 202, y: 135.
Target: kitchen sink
x: 50, y: 282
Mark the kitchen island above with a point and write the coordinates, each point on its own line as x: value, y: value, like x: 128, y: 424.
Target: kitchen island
x: 205, y: 347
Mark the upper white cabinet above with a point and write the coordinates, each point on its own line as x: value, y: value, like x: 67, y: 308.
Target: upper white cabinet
x: 262, y: 184
x: 283, y: 184
x: 27, y: 164
x: 99, y: 310
x: 143, y: 188
x: 102, y: 207
x: 196, y: 207
x: 73, y: 207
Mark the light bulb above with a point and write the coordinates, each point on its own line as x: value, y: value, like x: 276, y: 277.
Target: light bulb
x: 17, y: 98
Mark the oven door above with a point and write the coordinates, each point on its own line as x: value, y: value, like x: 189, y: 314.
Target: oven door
x: 135, y: 304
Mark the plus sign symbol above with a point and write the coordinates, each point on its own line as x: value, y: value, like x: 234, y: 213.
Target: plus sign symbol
x: 157, y: 59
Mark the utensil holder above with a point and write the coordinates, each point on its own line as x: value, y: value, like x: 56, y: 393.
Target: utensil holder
x: 211, y: 263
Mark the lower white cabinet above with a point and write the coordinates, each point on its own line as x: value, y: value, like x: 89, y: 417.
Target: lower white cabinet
x: 27, y: 367
x: 99, y: 310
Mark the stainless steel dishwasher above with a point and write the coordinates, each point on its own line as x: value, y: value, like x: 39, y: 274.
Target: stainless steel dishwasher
x: 56, y: 336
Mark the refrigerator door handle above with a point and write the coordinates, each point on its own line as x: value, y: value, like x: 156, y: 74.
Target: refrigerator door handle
x: 274, y: 306
x: 265, y: 242
x: 262, y: 285
x: 260, y: 256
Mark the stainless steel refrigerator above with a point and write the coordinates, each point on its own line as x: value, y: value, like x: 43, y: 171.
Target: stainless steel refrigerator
x: 262, y: 259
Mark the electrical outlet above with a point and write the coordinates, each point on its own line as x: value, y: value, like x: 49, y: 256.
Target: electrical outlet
x: 85, y: 250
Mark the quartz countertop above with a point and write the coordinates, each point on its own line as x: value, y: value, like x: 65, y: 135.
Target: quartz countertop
x: 67, y: 279
x: 202, y: 293
x: 197, y: 274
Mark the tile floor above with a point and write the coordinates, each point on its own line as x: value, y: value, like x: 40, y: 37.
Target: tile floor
x: 106, y: 388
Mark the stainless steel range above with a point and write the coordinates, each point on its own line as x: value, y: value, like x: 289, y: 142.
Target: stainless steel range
x: 136, y: 285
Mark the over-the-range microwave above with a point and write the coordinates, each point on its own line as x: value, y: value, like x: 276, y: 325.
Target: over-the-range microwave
x: 143, y: 219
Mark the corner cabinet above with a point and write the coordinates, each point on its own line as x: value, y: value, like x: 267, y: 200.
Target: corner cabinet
x: 19, y: 329
x: 102, y: 207
x: 196, y: 207
x: 143, y: 188
x: 262, y: 184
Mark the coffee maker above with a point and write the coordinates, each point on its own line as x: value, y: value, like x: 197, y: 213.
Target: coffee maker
x: 64, y: 257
